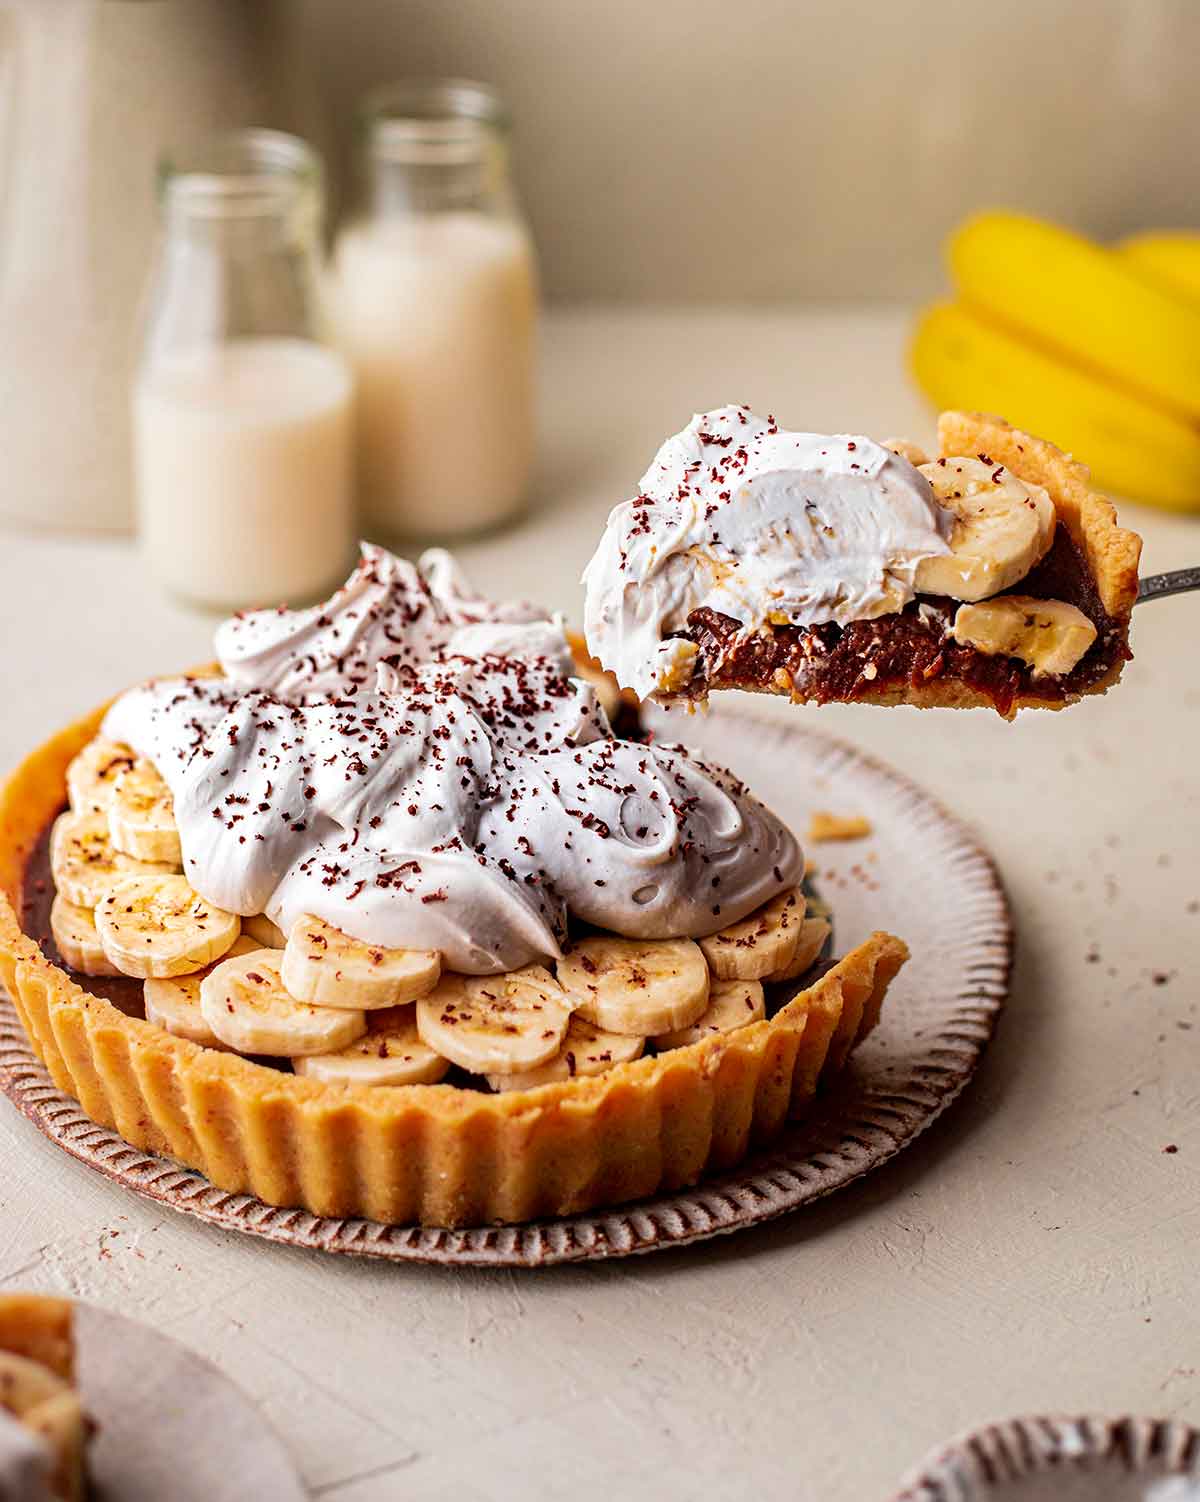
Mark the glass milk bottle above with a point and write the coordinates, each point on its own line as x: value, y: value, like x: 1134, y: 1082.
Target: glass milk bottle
x: 242, y: 418
x: 437, y: 309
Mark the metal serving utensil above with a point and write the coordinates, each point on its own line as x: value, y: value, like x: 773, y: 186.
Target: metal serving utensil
x: 1177, y: 582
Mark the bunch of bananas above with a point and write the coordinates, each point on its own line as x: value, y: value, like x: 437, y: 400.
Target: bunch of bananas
x: 1095, y: 347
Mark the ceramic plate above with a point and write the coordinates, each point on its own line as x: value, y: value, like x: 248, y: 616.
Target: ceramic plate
x: 920, y: 874
x: 170, y: 1424
x: 1055, y: 1459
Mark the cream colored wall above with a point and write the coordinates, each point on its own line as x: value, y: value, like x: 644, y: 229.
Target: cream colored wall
x: 704, y: 149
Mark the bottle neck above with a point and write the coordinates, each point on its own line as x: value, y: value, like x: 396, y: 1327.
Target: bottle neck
x: 415, y: 176
x: 434, y: 148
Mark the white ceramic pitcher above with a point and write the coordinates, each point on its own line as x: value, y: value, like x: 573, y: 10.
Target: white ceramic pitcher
x: 91, y: 92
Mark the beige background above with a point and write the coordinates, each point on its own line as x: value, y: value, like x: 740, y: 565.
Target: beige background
x: 768, y: 151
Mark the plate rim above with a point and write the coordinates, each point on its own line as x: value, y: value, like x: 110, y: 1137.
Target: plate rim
x: 837, y: 1149
x: 1017, y: 1449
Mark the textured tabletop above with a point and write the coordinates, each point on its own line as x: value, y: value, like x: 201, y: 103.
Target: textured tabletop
x: 1035, y: 1251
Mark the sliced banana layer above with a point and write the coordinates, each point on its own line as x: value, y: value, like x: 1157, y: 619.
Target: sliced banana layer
x: 761, y: 945
x: 731, y: 1004
x: 84, y: 864
x: 636, y: 987
x: 264, y: 932
x: 1002, y: 527
x: 174, y: 1003
x: 587, y: 1049
x: 392, y: 1053
x: 91, y: 775
x: 141, y: 815
x: 1049, y: 635
x: 244, y: 1002
x: 74, y: 930
x: 158, y: 926
x: 496, y: 1024
x: 323, y: 965
x: 813, y: 933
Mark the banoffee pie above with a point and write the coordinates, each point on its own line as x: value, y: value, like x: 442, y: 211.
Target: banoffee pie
x: 838, y: 569
x: 380, y: 917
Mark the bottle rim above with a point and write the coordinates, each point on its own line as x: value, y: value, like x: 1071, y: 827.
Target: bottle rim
x: 254, y: 171
x: 433, y: 120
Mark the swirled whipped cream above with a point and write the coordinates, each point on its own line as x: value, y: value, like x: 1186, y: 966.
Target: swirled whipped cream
x: 737, y: 516
x: 419, y: 768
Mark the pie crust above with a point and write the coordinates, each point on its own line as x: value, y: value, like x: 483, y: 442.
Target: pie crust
x: 41, y: 1330
x: 1109, y: 552
x: 433, y: 1154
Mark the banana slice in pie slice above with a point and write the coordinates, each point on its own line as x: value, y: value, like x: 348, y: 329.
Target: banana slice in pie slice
x: 83, y: 863
x: 496, y: 1024
x: 731, y: 1004
x: 173, y: 1002
x: 813, y: 933
x: 92, y: 773
x: 141, y: 815
x: 391, y: 1053
x: 245, y: 1003
x: 761, y: 945
x: 1002, y: 527
x: 636, y: 987
x: 158, y: 926
x: 587, y: 1049
x: 1050, y: 635
x: 74, y: 930
x: 323, y: 965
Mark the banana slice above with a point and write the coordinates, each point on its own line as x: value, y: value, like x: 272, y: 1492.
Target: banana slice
x: 173, y: 1003
x: 758, y: 946
x: 260, y: 928
x: 74, y: 930
x: 636, y: 987
x: 587, y: 1049
x: 158, y: 926
x: 91, y: 775
x: 392, y: 1053
x: 495, y: 1024
x: 731, y: 1004
x: 244, y: 1002
x: 141, y: 815
x: 813, y: 933
x: 84, y: 864
x: 27, y: 1385
x: 323, y: 965
x: 1050, y: 635
x: 1002, y: 527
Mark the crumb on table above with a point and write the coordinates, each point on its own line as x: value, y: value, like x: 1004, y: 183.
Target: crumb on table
x: 825, y: 826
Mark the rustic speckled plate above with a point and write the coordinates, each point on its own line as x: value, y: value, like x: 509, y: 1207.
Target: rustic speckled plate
x: 169, y: 1424
x: 1058, y: 1459
x: 920, y: 874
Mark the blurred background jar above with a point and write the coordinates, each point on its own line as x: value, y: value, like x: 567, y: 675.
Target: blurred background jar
x: 89, y: 92
x: 242, y: 415
x: 436, y: 295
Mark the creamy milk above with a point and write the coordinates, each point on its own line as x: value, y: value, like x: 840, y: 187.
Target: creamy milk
x: 437, y: 315
x: 244, y: 470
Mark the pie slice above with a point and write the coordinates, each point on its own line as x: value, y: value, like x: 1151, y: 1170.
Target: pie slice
x: 825, y: 570
x: 38, y: 1394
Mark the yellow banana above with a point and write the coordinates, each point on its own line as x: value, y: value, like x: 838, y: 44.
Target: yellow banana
x: 1170, y: 259
x: 1083, y: 300
x: 961, y: 360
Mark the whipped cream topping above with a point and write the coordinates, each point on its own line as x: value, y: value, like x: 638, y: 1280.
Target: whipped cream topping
x: 738, y: 516
x: 386, y: 608
x: 419, y: 768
